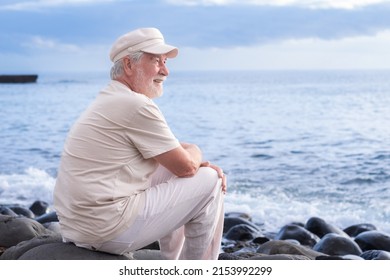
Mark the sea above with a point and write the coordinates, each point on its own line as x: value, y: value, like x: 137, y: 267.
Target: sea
x: 294, y: 144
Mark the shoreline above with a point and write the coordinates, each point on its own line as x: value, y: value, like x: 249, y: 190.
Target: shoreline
x: 35, y: 234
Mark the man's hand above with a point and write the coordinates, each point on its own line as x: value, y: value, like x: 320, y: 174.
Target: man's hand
x: 220, y: 173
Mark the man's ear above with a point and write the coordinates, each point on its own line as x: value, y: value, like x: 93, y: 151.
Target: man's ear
x: 127, y: 65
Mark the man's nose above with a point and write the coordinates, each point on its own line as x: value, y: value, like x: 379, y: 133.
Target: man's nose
x: 164, y: 69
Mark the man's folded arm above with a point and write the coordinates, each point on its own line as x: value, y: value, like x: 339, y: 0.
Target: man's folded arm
x: 183, y: 161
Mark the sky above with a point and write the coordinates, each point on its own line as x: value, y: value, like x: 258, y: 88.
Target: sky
x: 76, y: 35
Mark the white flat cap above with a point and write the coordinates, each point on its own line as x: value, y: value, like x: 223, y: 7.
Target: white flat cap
x: 149, y: 40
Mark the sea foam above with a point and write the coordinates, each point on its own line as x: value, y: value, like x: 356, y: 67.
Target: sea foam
x: 25, y: 188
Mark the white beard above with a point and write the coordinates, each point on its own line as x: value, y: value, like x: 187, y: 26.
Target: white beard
x: 150, y: 89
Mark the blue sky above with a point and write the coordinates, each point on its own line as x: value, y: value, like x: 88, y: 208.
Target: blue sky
x: 76, y: 35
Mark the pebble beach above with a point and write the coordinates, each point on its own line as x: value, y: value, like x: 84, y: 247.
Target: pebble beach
x: 33, y: 233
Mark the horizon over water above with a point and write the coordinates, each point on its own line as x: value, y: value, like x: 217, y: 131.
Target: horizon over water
x: 295, y: 144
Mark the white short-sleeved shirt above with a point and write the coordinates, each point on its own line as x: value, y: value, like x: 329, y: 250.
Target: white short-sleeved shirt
x: 106, y: 161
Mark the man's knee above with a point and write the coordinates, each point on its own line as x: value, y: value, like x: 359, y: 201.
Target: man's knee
x: 210, y: 176
x: 209, y: 172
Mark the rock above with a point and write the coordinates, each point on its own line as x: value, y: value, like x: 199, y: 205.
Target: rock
x: 260, y: 240
x: 246, y: 251
x: 352, y: 257
x: 375, y: 255
x: 279, y: 257
x: 51, y: 247
x: 15, y: 252
x: 259, y: 256
x: 5, y: 210
x: 293, y: 231
x: 54, y: 227
x: 355, y: 230
x: 233, y: 246
x: 320, y: 228
x: 230, y: 222
x: 334, y: 244
x: 329, y: 258
x: 19, y: 210
x: 241, y: 232
x: 276, y: 247
x: 373, y: 240
x: 47, y: 218
x: 345, y: 257
x: 66, y: 251
x: 228, y: 256
x: 14, y: 230
x: 39, y: 207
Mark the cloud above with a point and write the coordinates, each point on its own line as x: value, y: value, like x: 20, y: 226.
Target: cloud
x: 82, y: 31
x: 226, y: 26
x: 319, y: 4
x: 41, y: 54
x: 361, y: 52
x: 313, y: 53
x: 39, y: 4
x: 45, y: 44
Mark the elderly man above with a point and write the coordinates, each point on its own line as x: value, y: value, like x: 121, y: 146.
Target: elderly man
x: 124, y: 180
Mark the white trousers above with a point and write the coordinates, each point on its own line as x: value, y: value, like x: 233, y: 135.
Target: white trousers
x: 185, y: 214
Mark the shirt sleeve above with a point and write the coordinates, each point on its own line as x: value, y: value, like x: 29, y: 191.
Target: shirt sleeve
x: 151, y: 133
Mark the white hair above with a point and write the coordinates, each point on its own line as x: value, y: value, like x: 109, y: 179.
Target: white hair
x: 117, y: 69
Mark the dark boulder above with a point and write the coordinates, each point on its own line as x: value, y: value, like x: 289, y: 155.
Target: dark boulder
x: 320, y: 227
x: 47, y: 218
x: 373, y: 240
x: 260, y: 239
x: 23, y: 211
x: 15, y: 252
x: 279, y: 257
x: 229, y: 257
x: 66, y: 251
x: 334, y: 244
x: 230, y: 222
x: 14, y: 230
x: 282, y: 247
x: 242, y: 232
x: 51, y: 247
x: 5, y: 210
x: 296, y: 232
x: 355, y: 230
x: 375, y: 255
x: 39, y: 207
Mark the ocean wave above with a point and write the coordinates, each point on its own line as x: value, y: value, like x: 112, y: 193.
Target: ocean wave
x: 359, y: 181
x: 262, y: 156
x: 33, y: 184
x: 279, y: 208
